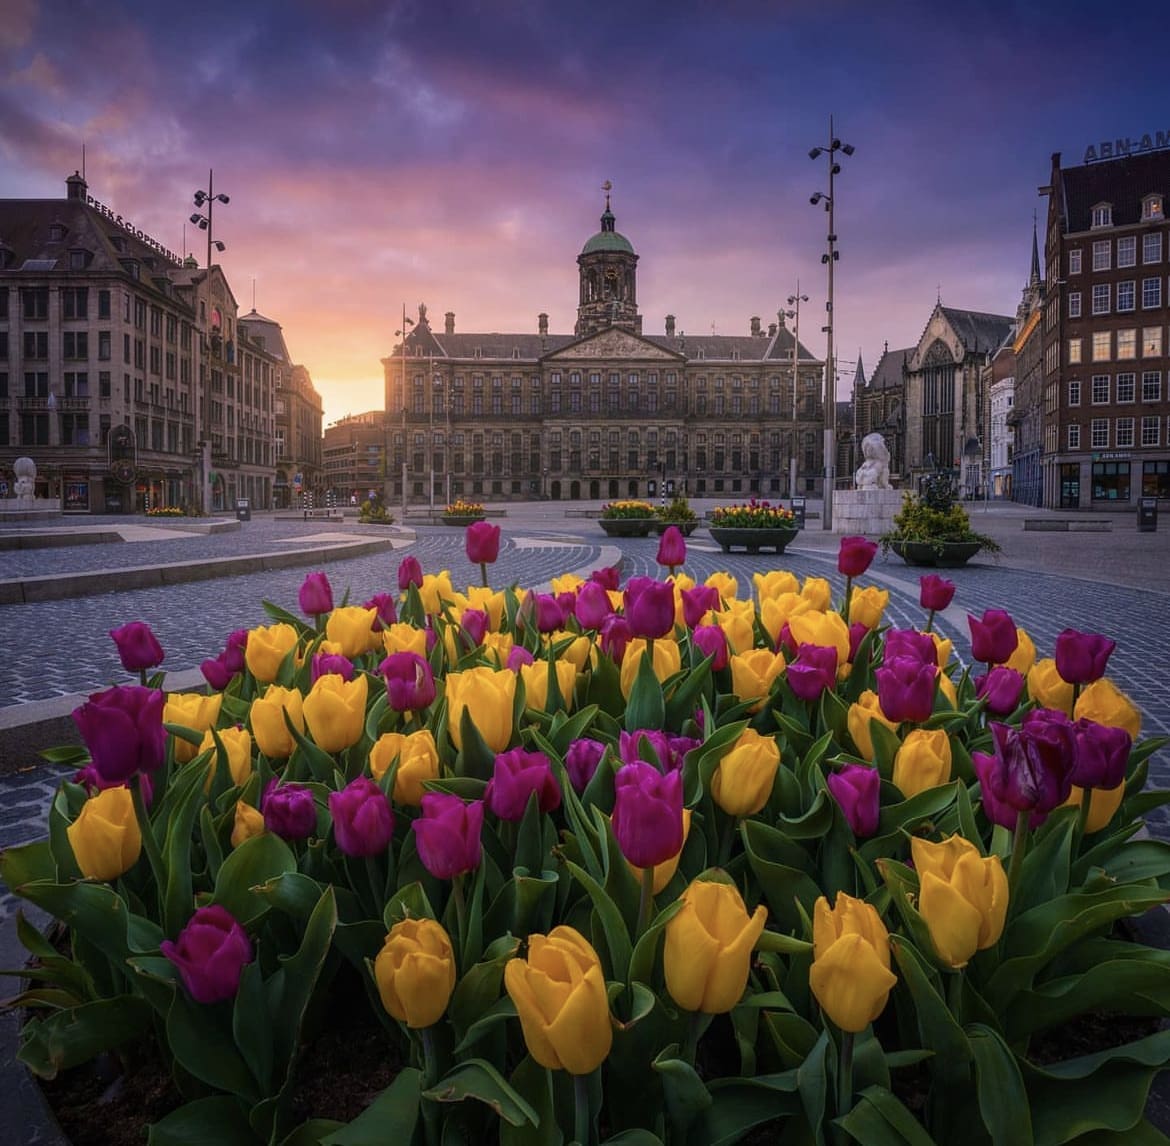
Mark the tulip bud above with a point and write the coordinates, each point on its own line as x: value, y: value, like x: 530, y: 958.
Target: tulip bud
x: 910, y: 643
x: 813, y: 671
x: 1105, y: 703
x: 560, y: 996
x: 906, y: 688
x: 410, y: 684
x: 517, y: 775
x: 672, y: 549
x: 857, y: 790
x: 753, y: 675
x: 210, y: 954
x: 1102, y: 754
x: 415, y: 972
x: 192, y: 710
x: 335, y: 711
x: 711, y: 642
x: 387, y: 614
x: 325, y: 663
x: 592, y: 606
x: 482, y: 543
x: 138, y: 647
x: 743, y: 779
x: 474, y: 623
x: 268, y: 724
x: 855, y: 555
x: 850, y: 975
x: 647, y: 814
x: 215, y: 673
x: 518, y: 657
x: 1000, y: 689
x: 581, y: 761
x: 289, y: 810
x: 923, y: 761
x: 994, y: 637
x: 418, y: 762
x: 488, y: 696
x: 608, y: 578
x: 235, y: 651
x: 698, y: 602
x: 363, y: 822
x: 447, y: 835
x: 649, y: 746
x: 267, y: 647
x: 615, y: 637
x: 935, y: 593
x: 105, y: 837
x: 409, y: 573
x: 1081, y: 657
x: 865, y: 709
x: 1102, y: 808
x: 316, y: 595
x: 237, y: 746
x: 123, y: 730
x: 709, y: 945
x: 247, y: 823
x: 866, y: 608
x: 649, y: 608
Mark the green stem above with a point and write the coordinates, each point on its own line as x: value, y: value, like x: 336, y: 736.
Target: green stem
x: 845, y: 1075
x: 696, y: 1025
x: 483, y: 573
x: 848, y: 598
x: 929, y: 621
x: 583, y: 1114
x: 1075, y: 697
x: 1019, y: 846
x: 149, y: 843
x: 431, y: 1120
x: 645, y: 902
x: 1083, y: 813
x: 650, y: 651
x: 726, y: 839
x: 460, y: 913
x: 377, y: 885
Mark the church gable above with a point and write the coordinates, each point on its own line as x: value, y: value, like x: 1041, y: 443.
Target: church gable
x: 614, y: 343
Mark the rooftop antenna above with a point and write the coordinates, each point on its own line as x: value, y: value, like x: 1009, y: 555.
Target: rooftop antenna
x: 83, y: 159
x: 253, y: 293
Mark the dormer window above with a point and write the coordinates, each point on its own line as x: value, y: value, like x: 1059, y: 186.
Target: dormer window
x: 79, y: 259
x: 56, y: 232
x: 1103, y: 215
x: 1152, y: 207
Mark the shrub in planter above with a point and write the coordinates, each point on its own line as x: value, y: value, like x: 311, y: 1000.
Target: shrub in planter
x: 931, y: 523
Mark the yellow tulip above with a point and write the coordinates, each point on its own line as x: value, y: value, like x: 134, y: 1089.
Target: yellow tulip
x: 727, y: 586
x: 559, y: 994
x: 352, y: 627
x: 1024, y: 656
x: 818, y: 592
x: 774, y: 583
x: 272, y: 735
x: 565, y: 583
x: 578, y: 650
x: 1103, y: 806
x: 192, y: 710
x: 490, y: 601
x: 404, y: 638
x: 1048, y: 688
x: 664, y: 872
x: 738, y: 625
x: 963, y: 897
x: 335, y: 710
x: 266, y: 649
x: 488, y: 696
x: 867, y: 605
x: 418, y: 761
x: 535, y: 678
x: 415, y: 972
x: 776, y: 612
x: 667, y: 661
x: 709, y: 945
x: 496, y: 648
x: 1105, y: 703
x: 942, y: 649
x: 850, y: 975
x: 753, y: 674
x: 826, y: 629
x: 105, y: 838
x: 435, y: 589
x: 923, y: 761
x: 237, y: 743
x: 861, y: 712
x: 247, y: 824
x: 744, y: 777
x: 947, y: 687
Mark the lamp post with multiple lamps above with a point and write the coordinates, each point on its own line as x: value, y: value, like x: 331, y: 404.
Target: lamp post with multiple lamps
x: 832, y: 149
x: 405, y: 444
x: 794, y: 301
x: 207, y: 199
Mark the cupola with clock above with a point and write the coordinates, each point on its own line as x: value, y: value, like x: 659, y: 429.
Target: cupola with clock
x: 609, y: 279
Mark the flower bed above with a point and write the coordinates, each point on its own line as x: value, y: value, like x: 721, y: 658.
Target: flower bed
x: 652, y: 864
x: 461, y: 512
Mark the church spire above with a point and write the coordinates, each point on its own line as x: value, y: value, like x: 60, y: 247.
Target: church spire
x: 1034, y: 281
x: 607, y: 216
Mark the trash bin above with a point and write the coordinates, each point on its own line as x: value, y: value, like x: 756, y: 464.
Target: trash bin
x: 243, y: 509
x: 1147, y: 514
x: 797, y: 508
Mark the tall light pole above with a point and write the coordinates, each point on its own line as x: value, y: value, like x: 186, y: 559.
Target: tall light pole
x: 794, y: 301
x: 204, y: 223
x: 834, y: 146
x: 431, y: 431
x: 405, y: 444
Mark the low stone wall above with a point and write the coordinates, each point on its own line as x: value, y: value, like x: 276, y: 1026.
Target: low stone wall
x: 865, y: 511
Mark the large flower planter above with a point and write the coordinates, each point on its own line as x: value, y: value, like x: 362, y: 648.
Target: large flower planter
x: 461, y: 519
x: 686, y: 528
x: 942, y: 554
x: 753, y: 540
x: 626, y: 526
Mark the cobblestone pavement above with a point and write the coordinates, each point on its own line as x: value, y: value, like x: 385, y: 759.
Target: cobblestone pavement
x: 62, y: 647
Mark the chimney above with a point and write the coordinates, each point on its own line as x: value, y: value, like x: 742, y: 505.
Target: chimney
x: 76, y: 187
x: 755, y: 326
x: 772, y: 330
x: 542, y: 324
x: 449, y: 322
x: 670, y: 326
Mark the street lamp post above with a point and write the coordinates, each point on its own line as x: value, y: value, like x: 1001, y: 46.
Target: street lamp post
x: 794, y: 301
x: 834, y: 146
x: 405, y: 444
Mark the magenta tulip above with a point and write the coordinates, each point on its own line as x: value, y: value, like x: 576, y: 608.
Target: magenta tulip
x: 325, y: 663
x: 593, y: 605
x: 518, y: 655
x: 998, y: 811
x: 813, y: 671
x: 935, y: 593
x: 910, y: 643
x: 993, y: 637
x: 475, y: 623
x: 1000, y: 689
x: 409, y: 573
x: 316, y: 595
x: 855, y: 556
x: 905, y: 688
x: 447, y: 835
x: 210, y: 953
x: 363, y: 820
x: 215, y: 672
x: 711, y: 641
x: 581, y: 761
x: 698, y: 602
x: 857, y: 789
x: 857, y: 633
x: 123, y: 730
x: 410, y: 684
x: 647, y: 814
x: 233, y: 653
x: 387, y: 613
x: 608, y: 578
x: 289, y: 810
x: 615, y: 636
x: 649, y: 607
x: 1081, y: 657
x: 647, y: 745
x: 1032, y: 768
x: 138, y: 647
x: 517, y: 775
x: 482, y: 543
x: 1102, y: 754
x: 542, y: 610
x: 672, y: 549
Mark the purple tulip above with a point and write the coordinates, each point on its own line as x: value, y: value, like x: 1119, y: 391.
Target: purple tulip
x: 216, y: 673
x: 855, y: 555
x: 935, y: 593
x: 647, y: 814
x: 649, y: 607
x: 608, y: 578
x: 410, y: 684
x: 447, y: 835
x: 581, y: 761
x: 517, y: 775
x: 518, y: 655
x: 996, y: 810
x: 542, y: 610
x: 409, y: 573
x: 857, y: 788
x: 138, y: 647
x: 615, y: 637
x: 905, y: 688
x: 363, y: 821
x: 122, y: 728
x: 711, y: 641
x: 672, y: 549
x: 474, y: 622
x: 698, y: 602
x: 1102, y: 754
x: 669, y: 750
x: 568, y: 603
x: 813, y: 671
x: 1033, y: 765
x: 910, y: 643
x: 593, y: 605
x: 210, y: 954
x: 1081, y: 657
x: 857, y: 633
x: 289, y: 811
x: 316, y: 595
x: 387, y: 613
x: 482, y: 543
x: 325, y: 663
x: 994, y: 637
x: 1001, y: 689
x: 233, y: 653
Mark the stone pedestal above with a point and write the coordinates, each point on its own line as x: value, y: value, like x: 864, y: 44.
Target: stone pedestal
x: 865, y: 511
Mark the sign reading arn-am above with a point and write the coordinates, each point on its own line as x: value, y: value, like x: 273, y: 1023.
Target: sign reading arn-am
x: 1119, y: 148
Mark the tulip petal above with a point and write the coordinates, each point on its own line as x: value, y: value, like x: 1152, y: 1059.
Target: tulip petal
x: 850, y: 982
x: 953, y: 921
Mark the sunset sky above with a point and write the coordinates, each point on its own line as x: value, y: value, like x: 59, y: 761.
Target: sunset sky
x: 382, y: 154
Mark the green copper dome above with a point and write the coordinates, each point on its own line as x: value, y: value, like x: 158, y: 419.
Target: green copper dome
x: 607, y: 239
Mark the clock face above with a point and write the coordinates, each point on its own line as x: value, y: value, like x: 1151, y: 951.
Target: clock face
x: 612, y: 273
x: 123, y: 471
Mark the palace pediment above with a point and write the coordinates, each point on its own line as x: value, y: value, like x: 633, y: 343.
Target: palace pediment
x: 613, y: 343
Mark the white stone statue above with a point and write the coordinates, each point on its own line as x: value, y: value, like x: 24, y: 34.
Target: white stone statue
x: 25, y: 485
x: 874, y: 472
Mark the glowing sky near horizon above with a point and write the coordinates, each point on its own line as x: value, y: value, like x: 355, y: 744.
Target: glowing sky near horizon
x: 382, y: 154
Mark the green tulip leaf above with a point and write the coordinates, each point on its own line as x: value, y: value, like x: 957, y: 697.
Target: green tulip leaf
x: 475, y: 757
x: 203, y: 1048
x: 646, y: 706
x: 898, y: 820
x: 685, y: 698
x: 685, y: 1094
x: 835, y: 716
x: 880, y: 1119
x: 1003, y: 1102
x: 408, y: 902
x: 478, y: 1079
x: 322, y: 766
x: 740, y: 1104
x: 178, y: 897
x: 885, y: 747
x: 634, y: 1138
x: 77, y: 1034
x: 254, y: 863
x: 782, y: 883
x: 220, y: 1119
x: 480, y: 988
x: 310, y: 1133
x: 1044, y: 874
x: 646, y: 949
x: 533, y: 1083
x: 62, y: 812
x: 27, y: 863
x: 391, y: 1117
x: 812, y: 1081
x: 251, y: 1028
x: 617, y: 937
x: 496, y: 1014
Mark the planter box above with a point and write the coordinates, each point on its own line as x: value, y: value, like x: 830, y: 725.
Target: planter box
x: 626, y: 526
x: 459, y: 519
x: 944, y: 554
x: 686, y: 528
x: 753, y: 540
